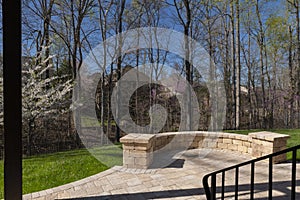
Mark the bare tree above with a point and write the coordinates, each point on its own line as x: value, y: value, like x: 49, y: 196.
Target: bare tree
x: 184, y: 13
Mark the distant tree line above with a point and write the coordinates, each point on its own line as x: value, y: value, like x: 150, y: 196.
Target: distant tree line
x: 255, y: 45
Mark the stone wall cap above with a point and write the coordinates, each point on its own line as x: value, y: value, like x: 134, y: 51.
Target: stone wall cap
x: 269, y: 136
x: 242, y: 137
x: 213, y: 134
x: 167, y: 134
x: 136, y: 138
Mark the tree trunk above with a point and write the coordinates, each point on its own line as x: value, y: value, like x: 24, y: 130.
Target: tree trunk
x: 187, y: 63
x: 119, y: 66
x: 292, y: 81
x: 29, y: 138
x: 233, y: 62
x: 238, y: 67
x: 296, y: 3
x: 260, y: 41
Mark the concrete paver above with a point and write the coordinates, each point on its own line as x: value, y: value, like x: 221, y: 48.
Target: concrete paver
x: 183, y: 182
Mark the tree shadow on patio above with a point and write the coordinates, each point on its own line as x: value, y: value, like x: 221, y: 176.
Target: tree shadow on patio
x: 167, y: 159
x: 147, y: 195
x: 281, y: 191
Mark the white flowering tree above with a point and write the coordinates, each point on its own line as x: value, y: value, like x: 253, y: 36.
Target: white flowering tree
x: 41, y: 96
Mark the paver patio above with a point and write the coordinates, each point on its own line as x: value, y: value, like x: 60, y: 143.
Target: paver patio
x: 180, y: 180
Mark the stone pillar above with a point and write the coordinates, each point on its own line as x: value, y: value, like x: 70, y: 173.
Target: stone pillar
x: 137, y: 150
x: 264, y: 143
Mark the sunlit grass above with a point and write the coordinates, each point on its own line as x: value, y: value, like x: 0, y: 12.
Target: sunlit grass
x: 51, y: 170
x: 87, y: 121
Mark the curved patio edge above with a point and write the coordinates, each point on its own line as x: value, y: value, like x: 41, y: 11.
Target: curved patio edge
x: 53, y: 193
x: 55, y: 190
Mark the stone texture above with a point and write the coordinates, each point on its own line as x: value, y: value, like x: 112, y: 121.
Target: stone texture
x: 237, y: 142
x: 139, y: 148
x: 227, y: 141
x: 222, y: 146
x: 243, y: 149
x: 233, y: 147
x: 264, y: 143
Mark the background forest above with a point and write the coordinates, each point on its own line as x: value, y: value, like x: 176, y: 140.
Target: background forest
x: 255, y: 45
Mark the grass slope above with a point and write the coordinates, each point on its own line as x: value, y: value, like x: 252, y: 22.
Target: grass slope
x: 51, y: 170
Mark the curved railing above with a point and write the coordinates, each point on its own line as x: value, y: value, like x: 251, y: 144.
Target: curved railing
x: 211, y: 192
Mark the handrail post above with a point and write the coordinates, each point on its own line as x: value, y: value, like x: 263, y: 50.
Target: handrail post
x: 270, y: 177
x: 236, y: 183
x: 252, y: 180
x: 223, y: 186
x: 293, y: 189
x: 206, y: 187
x: 213, y: 187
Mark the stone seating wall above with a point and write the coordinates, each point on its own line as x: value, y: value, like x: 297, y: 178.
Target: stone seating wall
x: 139, y: 149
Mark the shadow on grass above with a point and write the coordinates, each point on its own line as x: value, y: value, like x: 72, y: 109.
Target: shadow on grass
x: 281, y: 191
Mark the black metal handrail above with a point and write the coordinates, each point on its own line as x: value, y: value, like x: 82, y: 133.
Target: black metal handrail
x: 211, y: 191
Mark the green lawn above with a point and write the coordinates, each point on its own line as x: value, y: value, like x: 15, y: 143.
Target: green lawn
x: 292, y: 141
x: 50, y: 170
x: 87, y: 121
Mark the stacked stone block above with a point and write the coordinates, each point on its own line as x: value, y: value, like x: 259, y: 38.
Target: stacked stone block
x: 235, y: 142
x: 265, y: 143
x: 138, y: 149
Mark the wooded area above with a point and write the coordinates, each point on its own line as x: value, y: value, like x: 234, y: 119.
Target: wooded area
x: 255, y: 45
